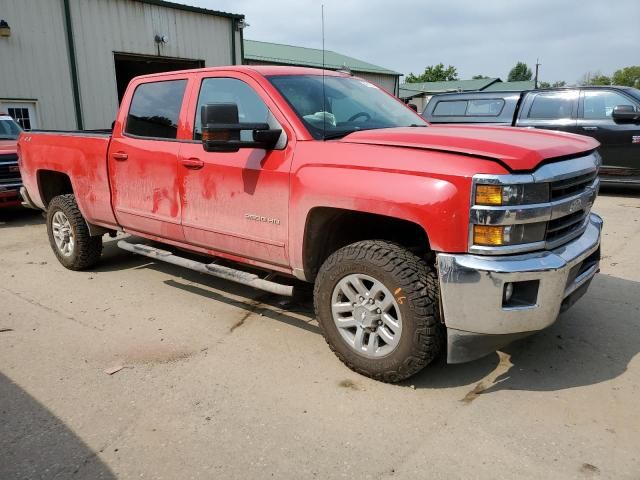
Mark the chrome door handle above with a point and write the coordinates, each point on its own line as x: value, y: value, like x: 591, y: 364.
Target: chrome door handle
x: 193, y: 163
x: 590, y: 129
x: 120, y: 156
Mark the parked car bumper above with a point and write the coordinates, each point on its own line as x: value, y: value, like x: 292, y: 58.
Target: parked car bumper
x: 610, y: 175
x: 480, y: 315
x: 10, y: 195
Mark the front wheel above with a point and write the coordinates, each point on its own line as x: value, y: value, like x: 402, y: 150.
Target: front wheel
x: 69, y: 234
x: 377, y: 305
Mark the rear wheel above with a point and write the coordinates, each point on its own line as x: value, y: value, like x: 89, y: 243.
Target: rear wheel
x: 69, y: 234
x: 377, y: 304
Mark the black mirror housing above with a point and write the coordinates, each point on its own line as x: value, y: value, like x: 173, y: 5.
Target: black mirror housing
x: 625, y: 114
x: 221, y: 130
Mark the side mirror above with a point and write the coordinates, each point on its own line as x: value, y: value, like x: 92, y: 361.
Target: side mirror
x: 221, y: 130
x: 413, y: 107
x: 625, y: 114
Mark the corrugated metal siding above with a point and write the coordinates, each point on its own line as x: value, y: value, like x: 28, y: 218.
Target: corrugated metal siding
x: 102, y: 27
x: 34, y: 63
x: 388, y: 82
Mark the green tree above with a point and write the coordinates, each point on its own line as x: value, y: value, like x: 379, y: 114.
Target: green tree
x: 520, y: 73
x: 479, y: 77
x: 434, y: 73
x: 600, y: 80
x: 558, y: 83
x: 629, y: 76
x: 595, y: 78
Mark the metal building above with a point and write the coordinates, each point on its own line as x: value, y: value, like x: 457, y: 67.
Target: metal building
x: 64, y: 64
x: 266, y: 53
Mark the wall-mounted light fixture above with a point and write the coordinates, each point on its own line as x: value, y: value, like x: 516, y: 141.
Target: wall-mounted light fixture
x: 242, y: 24
x: 161, y: 39
x: 5, y: 29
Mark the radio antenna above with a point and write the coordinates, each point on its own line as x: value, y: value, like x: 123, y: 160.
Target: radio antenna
x: 324, y: 98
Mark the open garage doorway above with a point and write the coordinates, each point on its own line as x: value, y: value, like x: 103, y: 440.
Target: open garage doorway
x: 129, y: 66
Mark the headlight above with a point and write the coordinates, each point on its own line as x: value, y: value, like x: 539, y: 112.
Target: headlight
x: 499, y: 235
x: 523, y: 194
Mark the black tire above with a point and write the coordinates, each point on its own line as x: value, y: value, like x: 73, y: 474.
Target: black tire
x: 396, y: 268
x: 87, y: 249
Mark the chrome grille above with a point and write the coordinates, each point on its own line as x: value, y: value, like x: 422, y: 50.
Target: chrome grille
x: 8, y: 169
x: 573, y: 186
x: 563, y: 226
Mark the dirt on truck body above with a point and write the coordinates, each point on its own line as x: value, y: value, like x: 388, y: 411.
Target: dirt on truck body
x: 418, y: 240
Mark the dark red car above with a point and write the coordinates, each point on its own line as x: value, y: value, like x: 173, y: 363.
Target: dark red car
x: 10, y: 181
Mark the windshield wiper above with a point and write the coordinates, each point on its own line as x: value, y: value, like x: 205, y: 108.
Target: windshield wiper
x: 418, y: 125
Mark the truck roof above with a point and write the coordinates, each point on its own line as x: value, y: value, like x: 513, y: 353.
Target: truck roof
x: 265, y: 70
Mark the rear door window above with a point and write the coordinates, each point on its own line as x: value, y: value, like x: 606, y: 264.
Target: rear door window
x: 552, y: 105
x: 155, y: 109
x: 450, y: 108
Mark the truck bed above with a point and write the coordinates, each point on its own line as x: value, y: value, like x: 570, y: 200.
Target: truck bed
x: 81, y: 156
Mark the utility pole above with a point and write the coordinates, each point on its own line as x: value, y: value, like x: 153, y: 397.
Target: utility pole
x: 536, y: 78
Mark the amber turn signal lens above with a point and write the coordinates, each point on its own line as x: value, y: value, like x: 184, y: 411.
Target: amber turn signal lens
x: 488, y: 235
x: 488, y: 195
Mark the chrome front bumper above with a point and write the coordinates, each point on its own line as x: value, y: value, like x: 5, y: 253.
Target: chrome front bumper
x: 472, y: 290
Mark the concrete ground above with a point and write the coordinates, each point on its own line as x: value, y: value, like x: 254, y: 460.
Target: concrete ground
x: 220, y: 381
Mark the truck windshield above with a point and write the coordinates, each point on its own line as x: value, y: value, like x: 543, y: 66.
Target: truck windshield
x: 349, y: 105
x: 9, y: 129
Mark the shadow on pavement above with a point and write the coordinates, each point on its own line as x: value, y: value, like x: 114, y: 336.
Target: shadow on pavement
x: 34, y: 443
x: 255, y: 301
x: 620, y: 190
x: 592, y: 342
x: 20, y: 217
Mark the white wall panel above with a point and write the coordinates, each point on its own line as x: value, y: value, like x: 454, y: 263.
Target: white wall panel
x: 34, y: 63
x: 102, y: 27
x: 388, y: 82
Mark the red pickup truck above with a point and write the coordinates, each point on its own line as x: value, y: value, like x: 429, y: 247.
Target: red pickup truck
x: 418, y: 239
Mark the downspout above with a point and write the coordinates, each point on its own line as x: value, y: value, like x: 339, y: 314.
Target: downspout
x: 242, y: 46
x: 233, y: 41
x: 75, y: 84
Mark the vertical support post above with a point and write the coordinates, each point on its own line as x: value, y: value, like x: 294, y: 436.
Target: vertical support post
x: 71, y: 48
x: 242, y: 45
x: 233, y: 41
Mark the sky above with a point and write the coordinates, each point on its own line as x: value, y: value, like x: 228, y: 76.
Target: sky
x: 487, y: 37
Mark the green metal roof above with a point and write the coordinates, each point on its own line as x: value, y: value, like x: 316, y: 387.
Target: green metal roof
x: 408, y: 94
x: 451, y: 86
x: 511, y: 86
x: 308, y: 57
x: 189, y: 8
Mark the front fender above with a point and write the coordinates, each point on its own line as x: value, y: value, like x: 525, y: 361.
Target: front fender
x: 430, y: 189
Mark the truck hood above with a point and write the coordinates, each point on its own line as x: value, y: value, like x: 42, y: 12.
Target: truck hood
x: 8, y: 146
x: 520, y: 149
